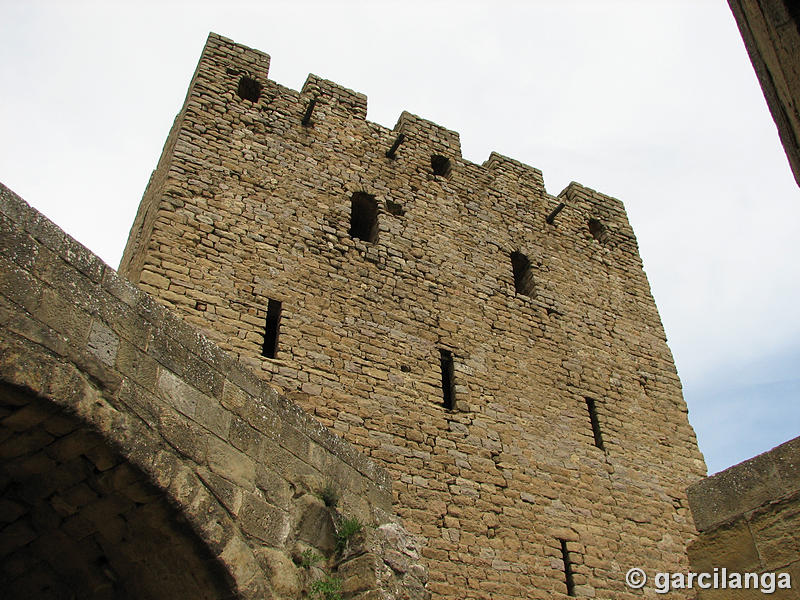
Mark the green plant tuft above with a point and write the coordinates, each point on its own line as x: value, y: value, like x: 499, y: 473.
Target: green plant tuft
x: 346, y: 530
x: 329, y: 588
x: 309, y: 558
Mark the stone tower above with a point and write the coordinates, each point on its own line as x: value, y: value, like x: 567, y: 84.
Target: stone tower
x: 504, y: 360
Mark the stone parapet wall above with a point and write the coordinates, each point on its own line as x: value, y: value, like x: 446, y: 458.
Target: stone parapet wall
x: 748, y: 517
x: 112, y: 408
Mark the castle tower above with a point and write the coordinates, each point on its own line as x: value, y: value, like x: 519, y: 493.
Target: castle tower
x: 506, y: 363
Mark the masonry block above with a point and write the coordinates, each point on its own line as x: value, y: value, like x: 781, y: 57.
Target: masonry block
x: 103, y: 343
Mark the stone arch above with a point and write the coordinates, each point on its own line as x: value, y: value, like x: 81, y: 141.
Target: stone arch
x: 96, y: 504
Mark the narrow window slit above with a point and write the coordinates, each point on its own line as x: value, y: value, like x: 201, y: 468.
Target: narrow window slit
x: 523, y: 274
x: 448, y: 385
x: 270, y: 348
x: 568, y: 579
x: 364, y: 217
x: 598, y: 436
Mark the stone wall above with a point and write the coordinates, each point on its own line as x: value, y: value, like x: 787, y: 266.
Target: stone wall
x: 510, y: 371
x: 748, y: 517
x: 139, y: 460
x: 771, y: 32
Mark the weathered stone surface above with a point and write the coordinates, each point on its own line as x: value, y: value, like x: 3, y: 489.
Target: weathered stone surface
x: 746, y: 486
x: 231, y: 464
x: 730, y: 546
x: 283, y: 573
x: 776, y: 532
x: 103, y: 343
x: 749, y: 518
x: 264, y: 521
x: 358, y: 574
x: 315, y: 524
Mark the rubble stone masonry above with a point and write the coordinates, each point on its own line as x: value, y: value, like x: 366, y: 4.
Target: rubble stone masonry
x: 509, y: 370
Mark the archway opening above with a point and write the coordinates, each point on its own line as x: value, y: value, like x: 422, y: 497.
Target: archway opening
x: 78, y: 521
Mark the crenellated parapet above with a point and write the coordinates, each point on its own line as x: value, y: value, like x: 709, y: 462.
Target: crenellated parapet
x: 429, y: 136
x: 338, y: 97
x: 237, y: 78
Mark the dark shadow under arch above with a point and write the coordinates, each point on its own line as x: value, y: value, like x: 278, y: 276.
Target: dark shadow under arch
x: 78, y: 521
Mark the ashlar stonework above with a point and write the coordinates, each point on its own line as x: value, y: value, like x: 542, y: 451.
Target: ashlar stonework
x: 501, y: 355
x: 747, y: 517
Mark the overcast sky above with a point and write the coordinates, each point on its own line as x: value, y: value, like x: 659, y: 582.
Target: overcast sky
x: 655, y: 103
